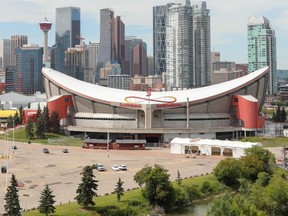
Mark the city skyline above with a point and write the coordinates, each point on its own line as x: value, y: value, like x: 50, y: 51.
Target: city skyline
x: 229, y: 22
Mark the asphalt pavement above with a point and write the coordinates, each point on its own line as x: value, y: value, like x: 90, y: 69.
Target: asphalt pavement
x: 61, y: 171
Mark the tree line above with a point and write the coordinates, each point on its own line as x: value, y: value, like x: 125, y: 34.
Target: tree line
x: 45, y: 123
x: 280, y: 115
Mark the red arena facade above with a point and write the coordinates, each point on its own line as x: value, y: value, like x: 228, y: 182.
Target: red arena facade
x: 228, y: 110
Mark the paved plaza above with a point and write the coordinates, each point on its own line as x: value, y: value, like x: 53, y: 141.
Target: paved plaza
x: 61, y: 171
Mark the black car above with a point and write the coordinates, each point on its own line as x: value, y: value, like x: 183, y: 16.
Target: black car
x: 46, y: 151
x: 65, y: 150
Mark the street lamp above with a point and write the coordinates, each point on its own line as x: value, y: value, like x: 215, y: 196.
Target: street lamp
x: 108, y: 137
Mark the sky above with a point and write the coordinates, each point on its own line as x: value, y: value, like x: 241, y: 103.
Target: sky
x: 229, y: 19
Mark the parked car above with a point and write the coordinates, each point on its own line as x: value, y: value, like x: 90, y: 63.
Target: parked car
x: 46, y: 151
x: 65, y: 150
x: 115, y: 167
x: 100, y: 167
x: 14, y: 147
x: 122, y: 167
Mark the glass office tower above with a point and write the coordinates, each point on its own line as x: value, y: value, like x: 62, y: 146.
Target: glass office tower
x: 29, y: 64
x: 67, y: 35
x: 262, y: 49
x: 106, y: 45
x: 68, y: 26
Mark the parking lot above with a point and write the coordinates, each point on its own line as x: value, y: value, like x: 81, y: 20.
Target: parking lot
x: 61, y: 171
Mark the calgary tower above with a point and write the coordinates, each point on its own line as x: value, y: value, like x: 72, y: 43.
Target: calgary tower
x: 45, y: 26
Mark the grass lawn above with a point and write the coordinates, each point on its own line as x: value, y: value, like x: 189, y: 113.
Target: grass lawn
x: 50, y: 139
x: 268, y: 142
x: 101, y: 202
x: 111, y: 200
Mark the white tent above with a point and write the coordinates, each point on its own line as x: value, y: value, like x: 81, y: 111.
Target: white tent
x: 210, y: 147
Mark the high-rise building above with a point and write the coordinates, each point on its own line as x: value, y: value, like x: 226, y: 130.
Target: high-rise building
x: 67, y: 35
x: 10, y: 79
x: 74, y: 65
x: 90, y: 61
x: 179, y: 46
x: 181, y: 38
x: 262, y: 49
x: 106, y: 46
x: 68, y: 26
x: 201, y: 45
x: 140, y: 61
x: 150, y: 65
x: 159, y: 37
x: 17, y: 41
x: 6, y: 52
x: 28, y: 67
x: 130, y: 43
x: 119, y: 39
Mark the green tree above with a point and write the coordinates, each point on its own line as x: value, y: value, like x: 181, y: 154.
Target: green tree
x: 12, y: 206
x: 234, y: 206
x: 278, y: 115
x: 87, y: 187
x: 20, y: 114
x: 119, y: 190
x: 46, y: 201
x: 55, y: 122
x: 16, y: 119
x: 263, y: 155
x: 29, y: 129
x: 251, y: 166
x: 228, y: 171
x: 10, y: 121
x: 273, y: 198
x: 46, y: 119
x: 38, y: 113
x: 283, y: 115
x: 40, y: 133
x: 179, y: 179
x: 158, y: 188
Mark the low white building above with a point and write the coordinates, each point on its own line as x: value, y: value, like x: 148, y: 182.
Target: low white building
x: 210, y: 147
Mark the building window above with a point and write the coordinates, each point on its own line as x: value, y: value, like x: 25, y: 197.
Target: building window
x: 236, y: 100
x: 66, y: 100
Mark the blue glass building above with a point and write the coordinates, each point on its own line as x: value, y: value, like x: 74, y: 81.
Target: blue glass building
x: 29, y: 64
x: 67, y: 34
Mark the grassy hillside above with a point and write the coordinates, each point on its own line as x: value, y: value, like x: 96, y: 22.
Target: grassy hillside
x: 130, y: 197
x: 50, y: 139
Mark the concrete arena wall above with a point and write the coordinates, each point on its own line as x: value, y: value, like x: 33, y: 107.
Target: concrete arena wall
x: 150, y: 116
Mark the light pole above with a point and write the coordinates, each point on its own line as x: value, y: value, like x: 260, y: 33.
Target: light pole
x: 6, y: 157
x: 13, y: 132
x: 108, y: 137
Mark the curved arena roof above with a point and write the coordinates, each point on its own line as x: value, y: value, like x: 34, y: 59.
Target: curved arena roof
x: 110, y: 95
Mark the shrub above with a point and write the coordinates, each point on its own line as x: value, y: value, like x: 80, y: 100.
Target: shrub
x: 207, y: 188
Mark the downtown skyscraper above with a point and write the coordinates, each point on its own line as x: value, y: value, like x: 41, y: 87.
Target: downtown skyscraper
x: 68, y: 26
x: 67, y: 35
x: 262, y: 49
x: 181, y: 38
x: 201, y: 45
x: 17, y: 41
x: 106, y: 53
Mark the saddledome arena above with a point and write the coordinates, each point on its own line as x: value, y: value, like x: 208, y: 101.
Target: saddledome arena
x: 228, y: 110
